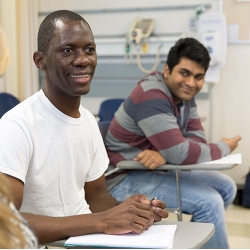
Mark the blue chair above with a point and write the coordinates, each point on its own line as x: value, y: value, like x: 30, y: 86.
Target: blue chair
x: 108, y: 108
x: 7, y: 102
x: 103, y: 126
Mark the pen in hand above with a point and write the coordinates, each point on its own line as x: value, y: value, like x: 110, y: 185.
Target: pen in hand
x: 150, y: 204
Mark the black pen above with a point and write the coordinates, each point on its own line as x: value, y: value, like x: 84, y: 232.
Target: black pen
x: 150, y: 204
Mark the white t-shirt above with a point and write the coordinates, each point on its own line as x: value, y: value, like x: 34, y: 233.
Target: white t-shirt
x: 53, y: 154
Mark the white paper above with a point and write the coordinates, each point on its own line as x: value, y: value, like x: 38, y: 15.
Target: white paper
x: 157, y: 236
x: 229, y: 159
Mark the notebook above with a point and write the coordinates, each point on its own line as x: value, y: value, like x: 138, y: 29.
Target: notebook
x: 157, y: 236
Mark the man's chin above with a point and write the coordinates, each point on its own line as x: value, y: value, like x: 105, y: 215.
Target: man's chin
x: 187, y: 98
x: 84, y: 91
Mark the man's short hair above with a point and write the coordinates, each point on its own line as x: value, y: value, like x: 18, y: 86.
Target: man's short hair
x: 189, y: 48
x: 47, y: 27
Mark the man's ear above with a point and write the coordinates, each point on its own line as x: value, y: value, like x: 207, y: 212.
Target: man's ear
x: 38, y: 59
x: 166, y: 71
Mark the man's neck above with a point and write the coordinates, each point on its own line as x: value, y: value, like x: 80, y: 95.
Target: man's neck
x: 69, y: 105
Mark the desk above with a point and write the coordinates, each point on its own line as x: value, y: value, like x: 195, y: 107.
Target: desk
x: 188, y: 235
x: 132, y: 165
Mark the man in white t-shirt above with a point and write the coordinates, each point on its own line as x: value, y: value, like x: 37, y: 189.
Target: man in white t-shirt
x: 51, y: 148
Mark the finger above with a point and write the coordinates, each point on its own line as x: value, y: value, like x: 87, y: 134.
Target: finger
x: 138, y: 228
x: 237, y: 138
x: 157, y: 217
x: 159, y: 213
x: 148, y: 163
x: 153, y: 166
x: 145, y: 223
x: 139, y: 211
x: 140, y: 198
x: 142, y: 154
x: 152, y: 222
x: 145, y: 217
x: 159, y: 203
x: 143, y: 160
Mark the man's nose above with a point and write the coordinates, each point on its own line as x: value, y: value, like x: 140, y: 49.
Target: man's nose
x: 190, y: 81
x: 81, y: 59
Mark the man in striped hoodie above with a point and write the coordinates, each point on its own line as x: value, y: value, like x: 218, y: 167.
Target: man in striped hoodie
x: 158, y: 123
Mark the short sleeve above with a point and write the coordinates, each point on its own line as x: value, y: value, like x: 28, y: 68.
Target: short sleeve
x: 15, y: 149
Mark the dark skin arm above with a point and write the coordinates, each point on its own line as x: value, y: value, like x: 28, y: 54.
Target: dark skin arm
x: 130, y: 216
x: 97, y: 196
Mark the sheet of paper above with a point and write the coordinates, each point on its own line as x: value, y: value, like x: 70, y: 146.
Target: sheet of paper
x: 229, y: 159
x: 157, y: 236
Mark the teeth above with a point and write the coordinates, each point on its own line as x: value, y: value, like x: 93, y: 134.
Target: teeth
x: 79, y: 76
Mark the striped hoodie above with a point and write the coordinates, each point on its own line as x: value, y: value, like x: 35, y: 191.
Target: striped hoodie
x: 150, y: 119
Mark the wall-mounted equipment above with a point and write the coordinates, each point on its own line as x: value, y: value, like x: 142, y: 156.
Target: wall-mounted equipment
x: 212, y: 41
x: 140, y: 29
x: 212, y: 33
x: 137, y: 37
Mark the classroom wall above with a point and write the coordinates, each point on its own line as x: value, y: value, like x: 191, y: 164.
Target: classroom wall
x: 227, y: 104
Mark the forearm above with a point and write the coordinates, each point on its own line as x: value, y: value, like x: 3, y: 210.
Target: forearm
x: 49, y: 229
x: 190, y: 152
x: 197, y: 136
x: 130, y: 216
x: 103, y: 202
x: 189, y: 147
x: 97, y: 195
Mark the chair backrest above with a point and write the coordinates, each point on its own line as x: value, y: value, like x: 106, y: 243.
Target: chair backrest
x: 104, y: 126
x: 7, y: 102
x: 108, y: 108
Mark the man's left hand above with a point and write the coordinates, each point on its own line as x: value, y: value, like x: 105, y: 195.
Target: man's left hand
x: 158, y: 206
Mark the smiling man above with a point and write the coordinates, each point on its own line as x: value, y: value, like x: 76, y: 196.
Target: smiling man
x: 51, y: 148
x: 158, y: 123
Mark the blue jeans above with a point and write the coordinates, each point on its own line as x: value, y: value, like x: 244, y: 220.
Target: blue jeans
x: 204, y: 195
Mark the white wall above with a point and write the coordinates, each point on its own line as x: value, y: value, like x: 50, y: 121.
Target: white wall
x: 232, y: 104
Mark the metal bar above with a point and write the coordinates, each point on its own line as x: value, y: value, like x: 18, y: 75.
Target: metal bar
x: 179, y: 210
x: 112, y: 171
x: 108, y: 11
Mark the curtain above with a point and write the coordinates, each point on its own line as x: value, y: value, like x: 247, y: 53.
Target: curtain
x: 19, y: 21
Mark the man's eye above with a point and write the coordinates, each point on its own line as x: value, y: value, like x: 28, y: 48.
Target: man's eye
x: 184, y: 73
x: 67, y: 50
x: 198, y: 78
x: 90, y: 50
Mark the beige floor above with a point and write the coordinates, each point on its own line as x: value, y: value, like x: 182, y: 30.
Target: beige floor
x: 238, y: 226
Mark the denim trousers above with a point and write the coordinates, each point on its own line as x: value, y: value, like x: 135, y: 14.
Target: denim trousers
x: 204, y: 194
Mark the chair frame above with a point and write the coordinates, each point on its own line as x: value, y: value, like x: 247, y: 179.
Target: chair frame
x: 132, y: 165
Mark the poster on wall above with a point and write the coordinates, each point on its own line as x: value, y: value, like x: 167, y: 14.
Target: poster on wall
x: 238, y: 20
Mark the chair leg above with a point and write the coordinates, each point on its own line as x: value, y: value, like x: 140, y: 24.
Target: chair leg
x: 178, y: 211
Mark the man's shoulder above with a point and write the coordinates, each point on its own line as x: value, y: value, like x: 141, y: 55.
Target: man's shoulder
x: 23, y: 108
x: 153, y: 82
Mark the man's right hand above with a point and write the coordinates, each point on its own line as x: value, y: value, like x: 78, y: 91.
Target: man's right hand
x: 232, y: 142
x: 129, y: 217
x: 150, y: 159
